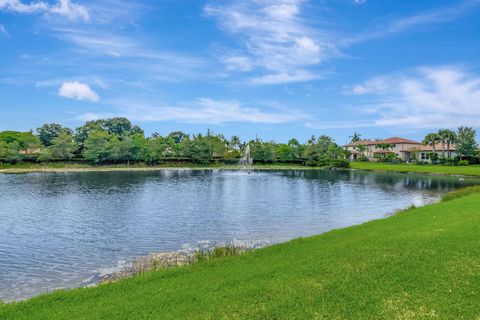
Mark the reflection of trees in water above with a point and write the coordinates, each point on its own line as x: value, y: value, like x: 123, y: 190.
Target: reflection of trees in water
x: 388, y: 181
x: 50, y: 184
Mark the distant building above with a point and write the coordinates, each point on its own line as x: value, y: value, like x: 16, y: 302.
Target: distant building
x: 403, y: 149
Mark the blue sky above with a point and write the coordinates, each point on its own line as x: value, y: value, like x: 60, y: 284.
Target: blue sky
x: 279, y: 69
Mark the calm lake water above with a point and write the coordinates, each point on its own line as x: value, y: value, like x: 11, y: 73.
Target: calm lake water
x: 60, y: 230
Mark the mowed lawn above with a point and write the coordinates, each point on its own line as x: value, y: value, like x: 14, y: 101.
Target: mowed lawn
x: 472, y: 170
x: 423, y: 263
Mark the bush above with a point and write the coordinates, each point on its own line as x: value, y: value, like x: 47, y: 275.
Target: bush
x: 450, y: 162
x: 420, y: 162
x: 396, y: 160
x: 340, y: 163
x: 463, y: 163
x: 311, y: 163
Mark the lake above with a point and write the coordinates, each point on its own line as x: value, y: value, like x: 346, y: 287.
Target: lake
x: 61, y: 230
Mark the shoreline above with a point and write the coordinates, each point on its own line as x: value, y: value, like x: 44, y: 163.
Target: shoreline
x: 67, y: 169
x: 373, y: 167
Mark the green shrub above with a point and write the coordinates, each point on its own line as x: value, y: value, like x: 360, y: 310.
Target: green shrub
x: 340, y: 163
x: 449, y: 161
x: 463, y: 163
x: 311, y: 163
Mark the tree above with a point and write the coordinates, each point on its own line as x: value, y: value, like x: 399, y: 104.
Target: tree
x: 96, y: 146
x: 297, y: 149
x: 199, y: 149
x: 322, y: 151
x: 432, y: 139
x: 466, y: 143
x: 50, y: 131
x: 117, y: 126
x: 263, y: 151
x: 234, y: 143
x: 451, y: 139
x: 447, y: 137
x: 385, y: 147
x: 178, y: 136
x: 355, y: 137
x: 361, y: 149
x: 285, y: 152
x: 82, y: 133
x: 63, y: 148
x: 26, y: 140
x: 10, y: 152
x: 136, y: 147
x: 116, y: 149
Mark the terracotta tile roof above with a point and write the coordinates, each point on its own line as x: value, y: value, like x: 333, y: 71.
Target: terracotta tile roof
x: 393, y: 140
x: 438, y: 147
x: 398, y: 140
x: 364, y: 142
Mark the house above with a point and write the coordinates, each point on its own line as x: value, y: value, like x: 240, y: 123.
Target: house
x: 401, y: 148
x: 442, y: 151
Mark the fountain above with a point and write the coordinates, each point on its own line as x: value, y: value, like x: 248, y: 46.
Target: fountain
x: 246, y: 159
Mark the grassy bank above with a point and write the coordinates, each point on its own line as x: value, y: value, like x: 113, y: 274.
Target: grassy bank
x: 472, y: 170
x: 423, y: 263
x: 74, y: 167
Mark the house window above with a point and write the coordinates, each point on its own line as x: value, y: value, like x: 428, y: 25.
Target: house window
x: 394, y: 145
x: 423, y: 156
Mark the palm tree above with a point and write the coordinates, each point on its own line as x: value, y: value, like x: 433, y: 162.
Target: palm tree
x: 451, y: 139
x: 355, y: 137
x: 235, y: 142
x: 431, y: 139
x: 447, y: 137
x: 442, y: 135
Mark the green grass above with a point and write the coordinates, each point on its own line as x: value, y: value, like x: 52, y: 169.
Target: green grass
x: 78, y: 167
x: 461, y: 193
x: 472, y: 170
x: 423, y: 263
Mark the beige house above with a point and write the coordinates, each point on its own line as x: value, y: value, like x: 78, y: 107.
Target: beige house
x: 401, y: 148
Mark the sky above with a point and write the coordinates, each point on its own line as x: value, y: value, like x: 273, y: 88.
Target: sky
x: 273, y: 68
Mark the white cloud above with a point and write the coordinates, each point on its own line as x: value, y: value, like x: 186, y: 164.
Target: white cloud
x: 78, y: 91
x: 204, y: 111
x: 359, y: 2
x: 64, y: 8
x: 70, y: 10
x: 238, y: 62
x: 427, y: 97
x: 18, y: 6
x: 371, y: 86
x: 274, y: 37
x: 285, y: 77
x: 3, y: 31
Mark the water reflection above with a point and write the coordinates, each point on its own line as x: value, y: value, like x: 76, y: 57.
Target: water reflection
x: 56, y: 230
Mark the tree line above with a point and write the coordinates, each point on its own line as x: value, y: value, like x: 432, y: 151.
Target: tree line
x: 117, y: 140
